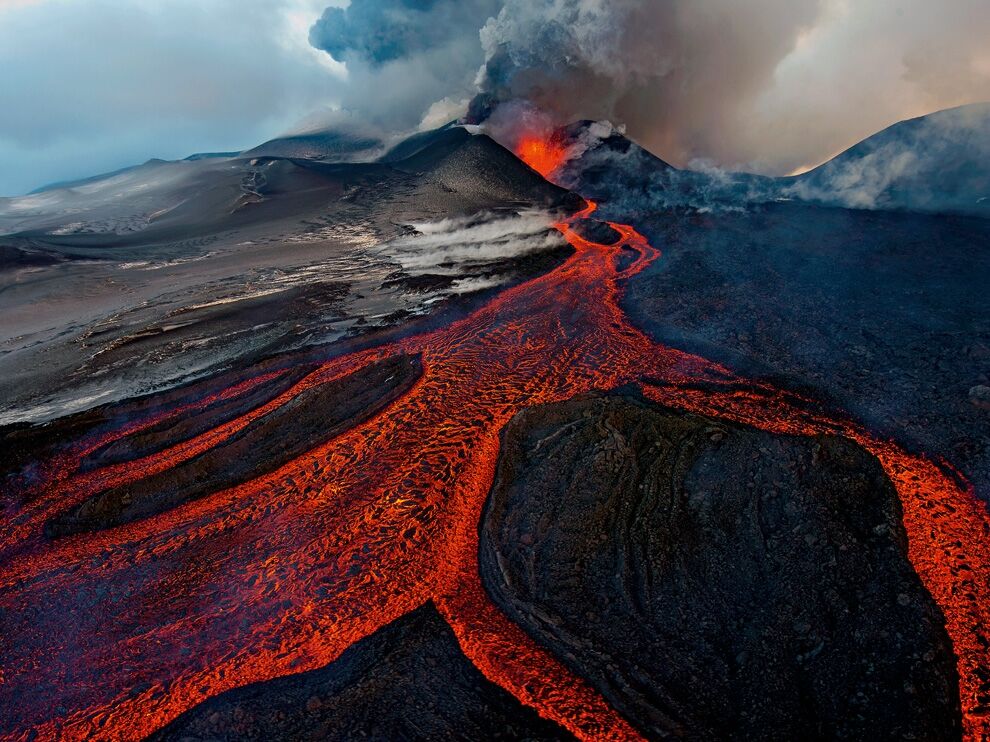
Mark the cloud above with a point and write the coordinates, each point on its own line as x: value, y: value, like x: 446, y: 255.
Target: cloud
x: 95, y: 86
x: 940, y: 162
x: 767, y: 85
x: 482, y: 238
x: 379, y: 31
x: 11, y: 4
x: 860, y: 68
x: 676, y: 73
x: 409, y: 61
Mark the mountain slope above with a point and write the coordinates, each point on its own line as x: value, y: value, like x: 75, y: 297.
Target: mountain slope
x: 330, y: 146
x: 162, y: 273
x: 939, y: 162
x: 630, y: 180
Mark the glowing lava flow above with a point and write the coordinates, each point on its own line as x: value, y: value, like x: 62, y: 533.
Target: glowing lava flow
x: 112, y: 634
x: 543, y: 154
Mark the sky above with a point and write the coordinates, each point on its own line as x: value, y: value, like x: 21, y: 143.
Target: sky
x: 771, y: 86
x: 89, y: 86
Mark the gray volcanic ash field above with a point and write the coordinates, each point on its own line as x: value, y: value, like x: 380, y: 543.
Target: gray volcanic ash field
x: 173, y: 270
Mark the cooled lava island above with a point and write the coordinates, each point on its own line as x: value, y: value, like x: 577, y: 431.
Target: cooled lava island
x: 456, y: 440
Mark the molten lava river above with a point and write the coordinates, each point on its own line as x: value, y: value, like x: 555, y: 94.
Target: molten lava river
x: 282, y: 574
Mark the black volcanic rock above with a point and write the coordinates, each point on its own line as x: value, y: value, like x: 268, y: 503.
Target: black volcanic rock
x: 407, y: 681
x: 881, y: 314
x: 24, y: 445
x: 477, y: 167
x: 629, y: 180
x: 715, y: 581
x: 596, y: 231
x: 161, y: 435
x: 313, y: 416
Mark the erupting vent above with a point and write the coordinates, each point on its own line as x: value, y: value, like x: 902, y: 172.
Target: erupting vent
x: 544, y: 155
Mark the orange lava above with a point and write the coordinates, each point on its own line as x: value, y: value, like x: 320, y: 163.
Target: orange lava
x: 111, y: 635
x: 543, y: 154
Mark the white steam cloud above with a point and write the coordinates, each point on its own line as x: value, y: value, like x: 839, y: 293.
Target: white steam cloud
x: 449, y: 245
x: 771, y: 86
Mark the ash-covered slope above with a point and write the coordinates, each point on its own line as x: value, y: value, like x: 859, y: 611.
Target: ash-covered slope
x: 456, y: 161
x: 417, y: 143
x: 939, y: 162
x: 117, y: 203
x: 329, y: 146
x: 204, y: 195
x: 165, y: 272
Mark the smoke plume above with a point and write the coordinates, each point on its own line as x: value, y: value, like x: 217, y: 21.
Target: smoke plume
x: 771, y: 86
x: 408, y: 61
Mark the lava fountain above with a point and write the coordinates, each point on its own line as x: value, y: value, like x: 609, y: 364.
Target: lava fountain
x: 112, y: 634
x: 544, y: 154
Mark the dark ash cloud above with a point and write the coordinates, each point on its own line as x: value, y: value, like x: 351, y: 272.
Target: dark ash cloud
x: 678, y: 74
x: 379, y: 31
x: 771, y: 86
x: 408, y: 61
x: 774, y: 86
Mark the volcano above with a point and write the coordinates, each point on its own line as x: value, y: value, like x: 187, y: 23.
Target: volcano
x: 934, y: 163
x: 455, y: 441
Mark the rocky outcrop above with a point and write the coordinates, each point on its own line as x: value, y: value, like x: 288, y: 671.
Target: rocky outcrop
x: 407, y: 681
x: 596, y: 231
x: 715, y: 581
x: 315, y: 415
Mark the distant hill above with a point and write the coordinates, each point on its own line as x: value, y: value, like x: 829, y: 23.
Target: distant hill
x: 76, y: 183
x: 415, y: 143
x: 604, y: 157
x: 329, y: 146
x: 211, y: 156
x: 447, y: 168
x: 476, y: 166
x: 939, y: 162
x: 609, y: 167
